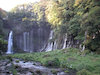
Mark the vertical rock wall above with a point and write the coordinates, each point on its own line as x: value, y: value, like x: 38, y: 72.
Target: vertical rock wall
x: 33, y: 40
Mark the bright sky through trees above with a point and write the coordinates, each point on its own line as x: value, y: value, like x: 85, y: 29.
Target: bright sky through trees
x: 9, y: 4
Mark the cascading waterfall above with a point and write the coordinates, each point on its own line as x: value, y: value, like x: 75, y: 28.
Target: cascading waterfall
x: 83, y: 48
x: 68, y: 45
x: 64, y: 46
x: 50, y: 44
x: 10, y: 43
x: 25, y: 35
x: 31, y: 41
x: 26, y: 41
x: 65, y: 42
x: 55, y: 45
x: 38, y: 40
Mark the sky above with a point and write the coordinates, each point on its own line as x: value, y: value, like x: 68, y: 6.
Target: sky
x: 9, y: 4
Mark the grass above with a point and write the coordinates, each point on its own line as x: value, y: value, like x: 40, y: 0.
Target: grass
x: 67, y: 58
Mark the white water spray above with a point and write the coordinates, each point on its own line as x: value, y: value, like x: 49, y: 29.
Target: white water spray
x: 10, y: 43
x: 50, y: 44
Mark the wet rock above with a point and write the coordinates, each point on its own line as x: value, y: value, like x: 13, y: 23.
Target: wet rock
x: 61, y: 73
x: 29, y: 73
x: 8, y: 65
x: 3, y: 74
x: 2, y: 68
x: 4, y: 62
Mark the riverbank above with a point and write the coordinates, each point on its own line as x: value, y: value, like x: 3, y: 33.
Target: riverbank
x: 71, y: 60
x: 20, y: 67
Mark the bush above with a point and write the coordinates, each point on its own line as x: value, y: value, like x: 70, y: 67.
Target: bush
x: 3, y: 46
x: 85, y: 52
x: 10, y: 58
x: 83, y: 72
x: 84, y: 66
x: 53, y: 63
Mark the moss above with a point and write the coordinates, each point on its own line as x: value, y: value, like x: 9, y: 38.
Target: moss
x: 66, y: 71
x: 17, y: 61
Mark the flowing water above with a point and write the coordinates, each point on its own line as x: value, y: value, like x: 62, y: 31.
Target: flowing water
x: 50, y: 44
x: 10, y: 43
x: 37, y: 68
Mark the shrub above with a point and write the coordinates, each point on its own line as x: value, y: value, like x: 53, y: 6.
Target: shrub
x: 53, y: 63
x: 85, y: 52
x: 83, y: 72
x: 3, y: 45
x: 84, y: 66
x: 10, y: 58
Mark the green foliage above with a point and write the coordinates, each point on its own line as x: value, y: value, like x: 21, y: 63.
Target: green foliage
x: 74, y: 26
x: 3, y: 42
x: 84, y: 72
x: 3, y: 45
x: 52, y: 63
x: 85, y: 52
x: 93, y: 30
x: 72, y: 17
x: 10, y: 58
x: 84, y: 66
x: 96, y: 2
x: 26, y: 16
x: 76, y: 17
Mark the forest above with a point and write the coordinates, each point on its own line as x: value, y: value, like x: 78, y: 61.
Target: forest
x: 56, y: 33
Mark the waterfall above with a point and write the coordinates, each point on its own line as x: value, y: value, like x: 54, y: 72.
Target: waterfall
x: 50, y: 44
x: 64, y: 46
x: 51, y: 35
x: 83, y: 48
x: 65, y: 40
x: 49, y: 47
x: 69, y: 44
x: 25, y: 35
x: 10, y: 43
x: 26, y: 41
x: 33, y: 40
x: 55, y: 45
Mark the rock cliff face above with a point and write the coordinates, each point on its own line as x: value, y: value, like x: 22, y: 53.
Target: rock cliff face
x: 62, y: 42
x: 33, y: 40
x: 42, y: 39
